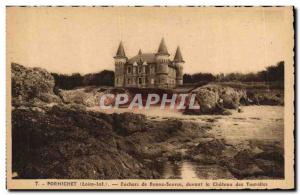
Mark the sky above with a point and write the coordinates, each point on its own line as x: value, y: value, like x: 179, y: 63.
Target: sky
x: 85, y: 39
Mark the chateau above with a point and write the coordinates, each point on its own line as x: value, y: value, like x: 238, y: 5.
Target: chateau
x: 149, y: 69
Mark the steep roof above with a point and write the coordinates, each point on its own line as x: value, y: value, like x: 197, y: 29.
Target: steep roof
x: 178, y: 55
x: 148, y: 57
x: 120, y: 53
x: 162, y: 49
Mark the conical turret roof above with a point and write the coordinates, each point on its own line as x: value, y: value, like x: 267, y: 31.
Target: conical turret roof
x: 178, y: 56
x: 140, y: 52
x: 162, y: 49
x: 140, y: 56
x: 120, y: 53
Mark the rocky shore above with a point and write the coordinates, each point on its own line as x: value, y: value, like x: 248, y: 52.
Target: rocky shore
x: 57, y: 137
x: 67, y: 142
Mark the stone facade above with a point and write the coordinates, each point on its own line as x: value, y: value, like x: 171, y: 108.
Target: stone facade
x: 149, y: 70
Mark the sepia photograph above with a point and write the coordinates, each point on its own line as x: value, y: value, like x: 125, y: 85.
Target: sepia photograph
x: 150, y: 97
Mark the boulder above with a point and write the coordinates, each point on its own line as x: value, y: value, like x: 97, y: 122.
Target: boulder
x: 270, y: 168
x: 207, y: 100
x: 250, y: 171
x: 231, y: 97
x: 266, y: 97
x: 128, y: 123
x: 204, y: 159
x: 212, y: 147
x: 29, y: 84
x: 255, y: 162
x: 215, y: 99
x: 90, y: 97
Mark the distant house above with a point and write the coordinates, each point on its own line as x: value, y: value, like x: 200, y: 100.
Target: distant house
x: 149, y: 69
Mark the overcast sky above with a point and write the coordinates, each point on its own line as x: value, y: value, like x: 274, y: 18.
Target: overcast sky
x: 84, y: 40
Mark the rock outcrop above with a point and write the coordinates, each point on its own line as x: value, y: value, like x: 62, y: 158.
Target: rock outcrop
x: 31, y: 85
x: 265, y: 97
x: 89, y: 96
x: 78, y: 144
x: 65, y: 143
x: 214, y: 99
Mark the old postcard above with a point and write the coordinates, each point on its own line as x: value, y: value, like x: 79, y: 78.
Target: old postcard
x: 147, y: 98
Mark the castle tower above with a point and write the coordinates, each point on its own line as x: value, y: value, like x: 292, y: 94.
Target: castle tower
x: 120, y: 60
x: 162, y: 59
x: 178, y: 62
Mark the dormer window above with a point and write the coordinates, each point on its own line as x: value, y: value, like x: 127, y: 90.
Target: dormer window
x: 140, y: 69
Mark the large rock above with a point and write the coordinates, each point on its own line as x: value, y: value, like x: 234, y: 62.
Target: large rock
x: 214, y: 99
x: 230, y: 97
x: 128, y: 123
x: 266, y: 97
x: 208, y: 147
x: 31, y: 85
x: 252, y: 163
x: 207, y: 100
x: 90, y: 96
x: 81, y: 96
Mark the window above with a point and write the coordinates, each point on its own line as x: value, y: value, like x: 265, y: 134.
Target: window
x: 134, y: 70
x: 152, y: 81
x: 152, y: 70
x: 117, y: 81
x: 140, y: 81
x: 128, y: 70
x: 140, y: 69
x: 129, y: 81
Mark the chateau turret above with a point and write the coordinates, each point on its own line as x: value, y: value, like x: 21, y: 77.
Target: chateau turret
x: 178, y: 63
x: 120, y: 60
x: 162, y: 58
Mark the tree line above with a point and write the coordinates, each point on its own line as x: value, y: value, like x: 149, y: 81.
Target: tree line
x: 270, y: 74
x: 103, y: 78
x: 106, y: 77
